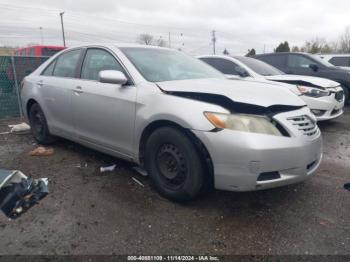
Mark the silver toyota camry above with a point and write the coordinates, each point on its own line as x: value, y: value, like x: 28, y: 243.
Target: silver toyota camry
x: 183, y: 121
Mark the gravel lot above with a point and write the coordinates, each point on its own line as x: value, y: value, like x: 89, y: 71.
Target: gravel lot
x: 88, y: 212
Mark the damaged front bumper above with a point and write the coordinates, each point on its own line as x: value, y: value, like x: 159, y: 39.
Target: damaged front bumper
x: 247, y: 161
x: 18, y: 193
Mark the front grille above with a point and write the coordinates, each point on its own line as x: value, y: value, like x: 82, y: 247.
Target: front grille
x: 339, y: 96
x: 304, y: 124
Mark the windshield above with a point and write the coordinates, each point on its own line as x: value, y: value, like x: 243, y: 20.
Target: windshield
x: 158, y: 65
x: 259, y: 67
x: 321, y: 61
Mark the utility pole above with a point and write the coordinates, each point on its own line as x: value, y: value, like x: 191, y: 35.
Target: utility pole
x: 41, y: 35
x: 63, y: 36
x: 169, y: 40
x: 213, y: 39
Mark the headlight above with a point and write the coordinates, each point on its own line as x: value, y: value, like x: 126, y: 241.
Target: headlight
x: 244, y: 123
x: 313, y: 92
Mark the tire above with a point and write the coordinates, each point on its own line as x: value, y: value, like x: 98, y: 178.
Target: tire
x: 346, y: 94
x: 39, y: 126
x: 174, y: 164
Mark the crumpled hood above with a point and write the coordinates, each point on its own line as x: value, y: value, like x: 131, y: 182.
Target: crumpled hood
x: 249, y: 92
x: 317, y: 81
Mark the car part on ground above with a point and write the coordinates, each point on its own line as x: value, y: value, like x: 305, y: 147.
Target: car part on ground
x: 153, y: 111
x: 42, y: 151
x: 324, y: 97
x: 18, y: 193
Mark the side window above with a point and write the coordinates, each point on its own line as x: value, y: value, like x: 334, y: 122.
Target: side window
x: 49, y: 70
x: 223, y: 65
x: 66, y: 64
x: 278, y: 61
x: 340, y: 61
x: 299, y: 61
x: 97, y: 60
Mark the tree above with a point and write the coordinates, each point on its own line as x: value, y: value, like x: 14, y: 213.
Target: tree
x: 345, y: 41
x: 145, y: 39
x: 148, y: 39
x: 295, y: 49
x: 319, y: 45
x: 251, y: 52
x: 225, y: 52
x: 282, y: 47
x: 161, y: 43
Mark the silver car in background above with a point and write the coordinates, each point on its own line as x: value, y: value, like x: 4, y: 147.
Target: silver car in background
x: 182, y: 120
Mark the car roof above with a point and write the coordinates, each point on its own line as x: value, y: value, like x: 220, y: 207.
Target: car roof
x: 119, y: 45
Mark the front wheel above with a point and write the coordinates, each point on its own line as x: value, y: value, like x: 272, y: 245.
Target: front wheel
x: 174, y: 164
x: 39, y: 126
x: 346, y: 94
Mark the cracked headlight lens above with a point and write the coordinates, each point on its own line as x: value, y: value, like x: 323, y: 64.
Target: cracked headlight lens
x: 313, y: 92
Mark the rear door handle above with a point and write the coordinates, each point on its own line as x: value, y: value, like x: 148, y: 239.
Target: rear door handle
x: 78, y: 90
x: 40, y: 83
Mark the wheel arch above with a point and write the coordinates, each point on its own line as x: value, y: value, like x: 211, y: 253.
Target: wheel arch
x: 29, y: 104
x: 200, y: 147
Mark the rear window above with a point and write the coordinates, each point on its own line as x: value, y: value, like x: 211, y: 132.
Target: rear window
x: 340, y: 61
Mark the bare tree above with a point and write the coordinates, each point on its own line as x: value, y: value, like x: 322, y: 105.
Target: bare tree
x: 295, y: 49
x: 161, y: 42
x: 345, y: 41
x: 317, y: 45
x: 145, y: 39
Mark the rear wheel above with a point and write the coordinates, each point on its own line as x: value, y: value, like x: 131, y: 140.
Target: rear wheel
x: 174, y: 164
x: 39, y: 126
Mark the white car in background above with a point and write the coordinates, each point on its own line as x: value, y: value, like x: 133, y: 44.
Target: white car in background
x: 341, y: 60
x: 324, y: 97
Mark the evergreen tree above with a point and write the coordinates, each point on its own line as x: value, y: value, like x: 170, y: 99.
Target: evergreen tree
x: 251, y: 52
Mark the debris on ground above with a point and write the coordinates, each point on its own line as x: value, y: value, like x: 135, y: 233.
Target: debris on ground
x: 42, y: 151
x: 324, y: 223
x: 107, y: 168
x: 137, y: 181
x: 82, y: 166
x: 140, y: 170
x: 22, y: 128
x: 18, y: 193
x: 347, y: 186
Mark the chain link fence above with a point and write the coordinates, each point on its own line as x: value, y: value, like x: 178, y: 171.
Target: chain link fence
x: 12, y: 71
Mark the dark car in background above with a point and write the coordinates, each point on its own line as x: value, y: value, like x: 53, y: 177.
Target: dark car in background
x: 307, y: 64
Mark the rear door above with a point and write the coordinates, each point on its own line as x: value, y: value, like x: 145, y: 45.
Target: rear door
x: 56, y: 84
x: 104, y: 114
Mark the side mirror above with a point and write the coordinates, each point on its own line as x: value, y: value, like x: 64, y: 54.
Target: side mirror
x: 112, y: 77
x: 241, y: 71
x: 314, y: 67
